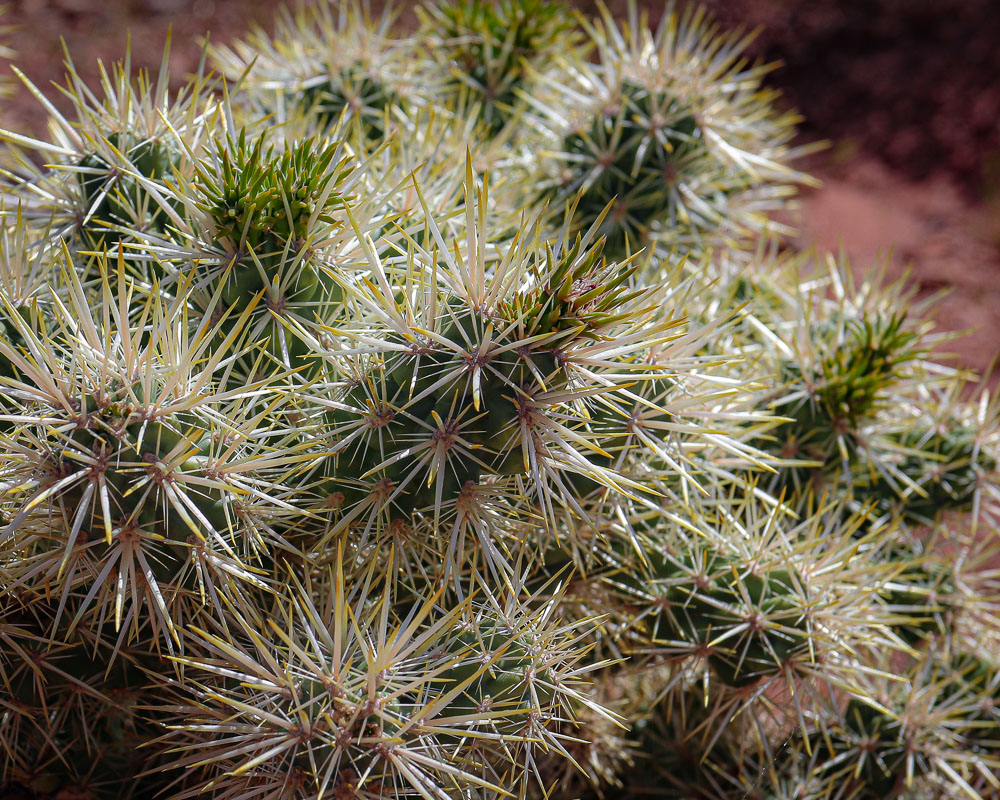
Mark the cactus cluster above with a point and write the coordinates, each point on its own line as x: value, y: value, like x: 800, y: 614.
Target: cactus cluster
x: 439, y: 413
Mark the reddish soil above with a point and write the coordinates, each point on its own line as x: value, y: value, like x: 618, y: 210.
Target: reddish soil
x: 905, y: 90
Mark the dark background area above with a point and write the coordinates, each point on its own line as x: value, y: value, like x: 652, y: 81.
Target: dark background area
x: 906, y: 92
x: 911, y: 81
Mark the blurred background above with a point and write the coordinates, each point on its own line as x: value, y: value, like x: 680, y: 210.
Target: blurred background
x: 905, y: 92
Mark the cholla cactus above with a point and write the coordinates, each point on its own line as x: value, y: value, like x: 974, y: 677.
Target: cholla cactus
x: 126, y: 468
x: 104, y: 170
x: 323, y: 63
x: 489, y: 49
x: 366, y: 697
x: 670, y: 129
x: 430, y: 416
